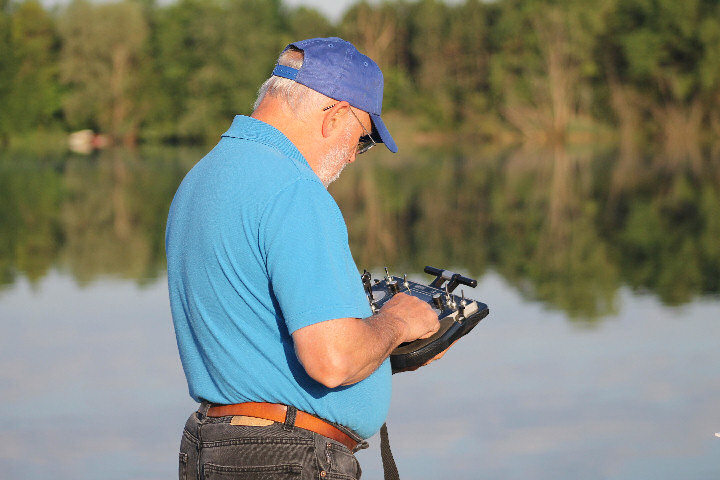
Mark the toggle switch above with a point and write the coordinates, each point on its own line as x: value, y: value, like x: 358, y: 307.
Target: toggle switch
x: 437, y: 300
x: 461, y: 306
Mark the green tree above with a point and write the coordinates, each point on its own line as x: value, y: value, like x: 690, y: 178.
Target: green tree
x: 428, y: 32
x: 8, y: 67
x: 250, y: 58
x: 306, y: 22
x: 467, y: 54
x: 102, y: 56
x: 35, y: 96
x: 381, y: 32
x: 212, y: 57
x: 666, y: 51
x: 709, y: 67
x: 545, y: 64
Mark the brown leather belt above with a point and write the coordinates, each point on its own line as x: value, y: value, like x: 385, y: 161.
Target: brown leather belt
x: 277, y: 413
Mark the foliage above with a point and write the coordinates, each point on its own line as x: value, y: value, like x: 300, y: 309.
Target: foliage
x: 101, y: 63
x: 212, y: 57
x: 560, y: 226
x: 544, y: 70
x: 29, y: 90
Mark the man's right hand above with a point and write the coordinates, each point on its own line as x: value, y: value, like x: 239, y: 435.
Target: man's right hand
x: 419, y: 319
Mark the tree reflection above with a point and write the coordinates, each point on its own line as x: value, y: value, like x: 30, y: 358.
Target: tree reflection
x: 104, y: 231
x: 566, y: 228
x: 30, y: 233
x: 93, y: 216
x: 664, y: 230
x: 563, y: 256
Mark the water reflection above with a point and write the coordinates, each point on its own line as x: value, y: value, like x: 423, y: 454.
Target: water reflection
x: 567, y: 228
x: 564, y: 227
x: 89, y: 371
x: 91, y: 216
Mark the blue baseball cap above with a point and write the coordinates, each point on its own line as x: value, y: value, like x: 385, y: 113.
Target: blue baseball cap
x: 336, y: 69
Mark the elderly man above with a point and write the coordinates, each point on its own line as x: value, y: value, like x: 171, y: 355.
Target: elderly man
x: 275, y: 333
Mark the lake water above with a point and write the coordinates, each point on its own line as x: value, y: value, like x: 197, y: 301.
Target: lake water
x: 600, y: 358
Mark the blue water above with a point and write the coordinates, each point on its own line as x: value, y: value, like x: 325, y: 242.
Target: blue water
x: 92, y: 388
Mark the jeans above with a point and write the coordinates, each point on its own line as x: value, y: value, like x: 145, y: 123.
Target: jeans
x: 213, y: 448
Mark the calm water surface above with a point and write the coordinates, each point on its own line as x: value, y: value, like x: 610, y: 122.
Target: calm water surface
x: 600, y: 358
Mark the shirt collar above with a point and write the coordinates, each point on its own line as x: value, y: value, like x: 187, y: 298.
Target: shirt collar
x: 254, y: 130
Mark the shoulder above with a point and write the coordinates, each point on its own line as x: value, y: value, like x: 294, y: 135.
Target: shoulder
x: 305, y: 202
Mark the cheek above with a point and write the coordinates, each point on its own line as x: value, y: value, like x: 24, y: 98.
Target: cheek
x: 350, y: 146
x: 351, y: 152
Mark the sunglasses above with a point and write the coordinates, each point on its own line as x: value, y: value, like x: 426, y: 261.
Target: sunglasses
x: 365, y: 142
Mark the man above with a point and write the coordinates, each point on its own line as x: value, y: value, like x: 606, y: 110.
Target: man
x: 274, y: 330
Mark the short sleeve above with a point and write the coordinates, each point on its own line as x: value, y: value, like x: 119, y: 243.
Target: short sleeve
x: 304, y: 240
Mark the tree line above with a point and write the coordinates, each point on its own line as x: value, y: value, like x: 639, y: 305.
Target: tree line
x: 554, y: 71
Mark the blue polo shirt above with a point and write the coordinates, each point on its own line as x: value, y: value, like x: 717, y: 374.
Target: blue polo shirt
x: 256, y: 249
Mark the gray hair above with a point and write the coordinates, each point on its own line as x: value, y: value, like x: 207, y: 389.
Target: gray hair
x: 299, y: 98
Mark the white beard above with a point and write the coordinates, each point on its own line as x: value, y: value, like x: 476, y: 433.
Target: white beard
x: 333, y: 163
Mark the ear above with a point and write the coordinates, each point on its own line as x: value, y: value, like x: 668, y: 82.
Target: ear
x: 334, y: 119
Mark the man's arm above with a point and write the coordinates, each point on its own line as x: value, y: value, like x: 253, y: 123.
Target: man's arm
x: 346, y: 350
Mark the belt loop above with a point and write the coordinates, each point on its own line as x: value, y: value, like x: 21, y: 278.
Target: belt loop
x: 203, y: 410
x: 290, y: 418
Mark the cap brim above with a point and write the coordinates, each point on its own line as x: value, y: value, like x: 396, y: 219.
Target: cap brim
x: 383, y: 133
